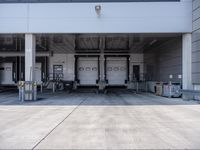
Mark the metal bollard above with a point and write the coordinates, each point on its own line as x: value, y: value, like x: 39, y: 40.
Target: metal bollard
x: 137, y: 87
x: 34, y: 91
x: 146, y: 87
x: 54, y: 87
x: 30, y: 92
x: 21, y: 88
x: 41, y: 87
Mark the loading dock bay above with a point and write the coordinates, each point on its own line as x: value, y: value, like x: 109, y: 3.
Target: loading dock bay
x: 98, y: 60
x: 83, y: 119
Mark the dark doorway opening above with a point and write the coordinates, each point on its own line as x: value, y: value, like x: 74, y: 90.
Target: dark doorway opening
x: 136, y: 73
x: 57, y: 72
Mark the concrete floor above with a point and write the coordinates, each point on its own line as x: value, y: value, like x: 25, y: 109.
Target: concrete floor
x: 118, y: 120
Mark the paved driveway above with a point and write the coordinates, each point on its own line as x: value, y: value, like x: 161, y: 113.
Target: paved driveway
x: 119, y: 120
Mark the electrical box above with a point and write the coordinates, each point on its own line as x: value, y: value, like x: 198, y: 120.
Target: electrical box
x: 171, y: 90
x: 159, y: 89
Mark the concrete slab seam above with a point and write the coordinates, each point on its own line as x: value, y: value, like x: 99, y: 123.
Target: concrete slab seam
x: 59, y: 124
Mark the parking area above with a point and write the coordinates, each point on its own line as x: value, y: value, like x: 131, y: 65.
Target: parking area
x: 116, y: 120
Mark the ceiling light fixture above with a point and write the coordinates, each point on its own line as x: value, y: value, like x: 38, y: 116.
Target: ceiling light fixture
x: 152, y: 42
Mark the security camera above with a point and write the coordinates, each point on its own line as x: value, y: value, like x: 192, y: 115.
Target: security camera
x: 98, y: 9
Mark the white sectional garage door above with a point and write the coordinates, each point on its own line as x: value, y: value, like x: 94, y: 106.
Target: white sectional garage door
x: 6, y: 73
x: 116, y: 70
x: 88, y: 70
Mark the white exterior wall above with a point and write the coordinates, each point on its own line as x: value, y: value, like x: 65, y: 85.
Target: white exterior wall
x: 132, y: 17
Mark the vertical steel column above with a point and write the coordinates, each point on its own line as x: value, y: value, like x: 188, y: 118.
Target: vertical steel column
x: 76, y: 69
x: 128, y: 67
x: 46, y: 68
x: 99, y: 69
x: 105, y: 68
x: 20, y: 68
x: 101, y: 65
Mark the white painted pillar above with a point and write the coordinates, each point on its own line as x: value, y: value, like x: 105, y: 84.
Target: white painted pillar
x: 30, y: 45
x: 187, y: 61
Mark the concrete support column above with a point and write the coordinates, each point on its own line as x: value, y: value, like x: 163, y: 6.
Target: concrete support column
x: 102, y: 59
x: 187, y: 61
x: 102, y: 67
x: 30, y: 44
x: 102, y: 82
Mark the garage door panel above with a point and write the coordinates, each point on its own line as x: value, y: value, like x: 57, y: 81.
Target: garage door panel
x: 116, y: 71
x: 6, y: 73
x: 88, y: 71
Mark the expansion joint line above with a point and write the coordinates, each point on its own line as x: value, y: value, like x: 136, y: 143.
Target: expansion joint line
x: 59, y: 123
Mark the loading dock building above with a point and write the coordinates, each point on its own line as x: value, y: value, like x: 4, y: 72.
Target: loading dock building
x: 100, y: 42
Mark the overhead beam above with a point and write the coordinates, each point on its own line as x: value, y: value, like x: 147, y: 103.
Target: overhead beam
x: 21, y: 54
x: 105, y: 54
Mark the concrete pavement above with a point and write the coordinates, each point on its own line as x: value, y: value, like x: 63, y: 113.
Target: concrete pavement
x: 117, y: 120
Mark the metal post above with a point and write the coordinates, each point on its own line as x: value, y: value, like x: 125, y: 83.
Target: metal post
x: 137, y: 87
x: 41, y: 87
x: 34, y: 94
x: 21, y: 88
x: 54, y: 87
x: 146, y: 86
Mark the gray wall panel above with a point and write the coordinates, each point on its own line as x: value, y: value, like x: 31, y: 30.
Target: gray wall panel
x: 196, y: 46
x: 150, y: 65
x: 168, y: 60
x: 196, y: 36
x: 196, y: 25
x: 196, y: 68
x: 196, y: 56
x: 196, y: 14
x: 196, y: 4
x: 196, y: 43
x: 196, y: 77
